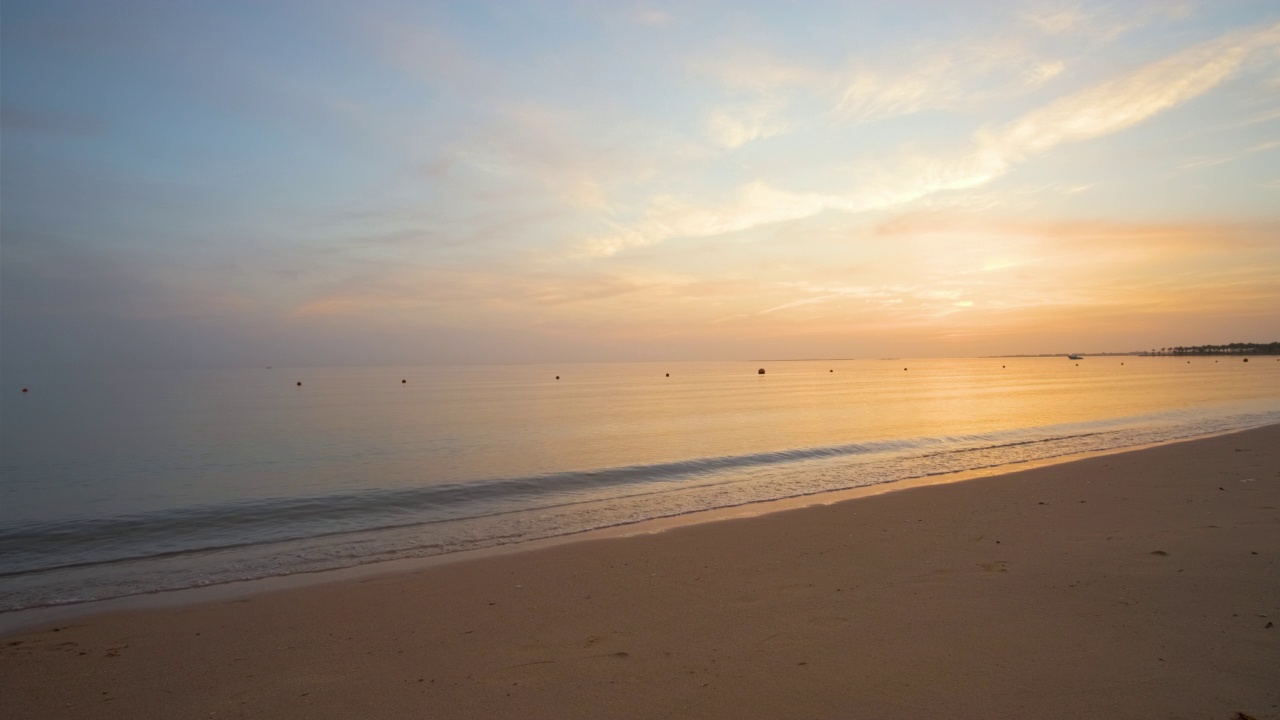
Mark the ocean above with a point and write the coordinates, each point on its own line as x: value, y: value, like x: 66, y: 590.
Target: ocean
x: 117, y: 483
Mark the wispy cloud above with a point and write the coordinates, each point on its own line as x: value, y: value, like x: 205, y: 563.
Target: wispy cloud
x: 1102, y: 22
x: 753, y: 205
x: 952, y: 75
x: 1105, y: 108
x: 957, y: 75
x: 1126, y: 101
x: 757, y: 71
x: 1057, y: 21
x: 1205, y: 161
x: 1041, y: 73
x: 1262, y: 117
x: 731, y: 127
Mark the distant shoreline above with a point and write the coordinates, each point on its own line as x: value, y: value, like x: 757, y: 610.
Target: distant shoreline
x: 1146, y: 353
x: 1062, y: 355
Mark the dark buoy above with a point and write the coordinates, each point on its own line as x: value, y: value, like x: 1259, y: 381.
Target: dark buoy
x: 760, y: 371
x: 668, y: 374
x: 831, y: 371
x: 904, y: 369
x: 24, y: 389
x: 557, y: 377
x: 1246, y: 359
x: 403, y: 382
x: 299, y: 383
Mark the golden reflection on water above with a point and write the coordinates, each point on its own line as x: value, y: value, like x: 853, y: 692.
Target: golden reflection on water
x: 118, y: 444
x: 519, y: 420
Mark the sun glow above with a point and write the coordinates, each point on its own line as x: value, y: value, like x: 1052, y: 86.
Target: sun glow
x: 854, y: 188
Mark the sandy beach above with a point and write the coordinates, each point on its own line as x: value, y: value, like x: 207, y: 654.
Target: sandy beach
x: 1136, y: 585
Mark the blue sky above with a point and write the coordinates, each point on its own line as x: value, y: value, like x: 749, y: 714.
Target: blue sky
x: 236, y: 183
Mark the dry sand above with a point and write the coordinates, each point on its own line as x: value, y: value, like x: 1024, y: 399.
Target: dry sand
x: 1136, y: 585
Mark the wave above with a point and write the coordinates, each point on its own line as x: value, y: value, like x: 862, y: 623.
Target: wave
x: 284, y: 535
x: 211, y: 527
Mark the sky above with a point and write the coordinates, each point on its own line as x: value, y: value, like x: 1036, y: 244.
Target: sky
x: 239, y: 184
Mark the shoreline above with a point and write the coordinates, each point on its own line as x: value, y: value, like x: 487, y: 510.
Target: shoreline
x: 15, y: 621
x: 1142, y: 583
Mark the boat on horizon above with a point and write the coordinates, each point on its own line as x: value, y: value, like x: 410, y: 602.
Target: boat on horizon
x: 1075, y: 357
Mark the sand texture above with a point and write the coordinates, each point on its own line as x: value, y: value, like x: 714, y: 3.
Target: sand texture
x: 1135, y: 585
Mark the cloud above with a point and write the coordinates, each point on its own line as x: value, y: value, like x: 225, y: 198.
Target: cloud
x: 1121, y: 103
x: 871, y: 96
x: 733, y: 127
x: 758, y: 71
x: 754, y: 205
x: 798, y: 303
x: 758, y: 204
x: 533, y: 152
x: 1042, y: 73
x: 758, y: 88
x: 1057, y: 21
x: 1262, y: 117
x: 1210, y: 161
x: 941, y: 80
x: 930, y: 80
x: 1103, y: 22
x: 958, y: 75
x: 1102, y: 109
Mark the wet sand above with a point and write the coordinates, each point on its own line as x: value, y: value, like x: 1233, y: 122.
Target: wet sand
x: 1136, y: 585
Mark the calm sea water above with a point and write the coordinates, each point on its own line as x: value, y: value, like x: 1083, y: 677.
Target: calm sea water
x: 117, y: 483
